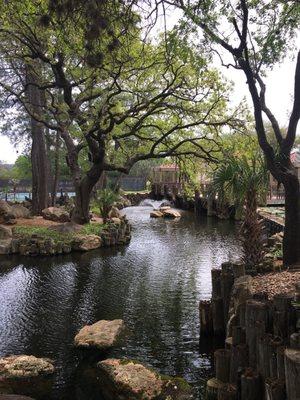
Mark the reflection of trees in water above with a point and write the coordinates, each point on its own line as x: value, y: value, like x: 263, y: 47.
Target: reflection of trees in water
x: 155, y: 284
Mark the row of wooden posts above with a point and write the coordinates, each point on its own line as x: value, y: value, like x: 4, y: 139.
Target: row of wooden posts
x: 261, y: 358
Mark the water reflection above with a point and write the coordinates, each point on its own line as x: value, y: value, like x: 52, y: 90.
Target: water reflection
x: 155, y: 284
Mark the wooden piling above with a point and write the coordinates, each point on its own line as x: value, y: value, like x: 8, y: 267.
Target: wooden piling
x: 222, y: 364
x: 284, y: 316
x: 238, y: 360
x: 280, y: 362
x: 238, y: 335
x: 275, y: 389
x: 295, y: 341
x: 292, y: 373
x: 213, y: 386
x: 226, y: 286
x: 206, y: 319
x: 238, y: 270
x: 251, y: 385
x: 267, y: 359
x: 227, y: 392
x: 216, y: 282
x: 218, y: 316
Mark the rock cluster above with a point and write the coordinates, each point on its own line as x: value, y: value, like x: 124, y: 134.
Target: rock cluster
x: 56, y: 214
x: 9, y: 213
x: 116, y: 232
x: 165, y: 212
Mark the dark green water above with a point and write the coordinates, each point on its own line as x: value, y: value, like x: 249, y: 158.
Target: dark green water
x: 154, y: 284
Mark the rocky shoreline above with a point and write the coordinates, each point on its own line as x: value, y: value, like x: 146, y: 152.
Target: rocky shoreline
x: 117, y: 231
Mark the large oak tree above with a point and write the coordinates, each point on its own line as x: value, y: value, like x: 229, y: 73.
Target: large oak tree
x: 257, y: 35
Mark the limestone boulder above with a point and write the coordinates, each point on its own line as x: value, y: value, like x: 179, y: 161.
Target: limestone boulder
x: 156, y: 214
x: 164, y: 208
x: 25, y: 375
x: 102, y: 335
x: 5, y: 246
x: 57, y: 214
x: 19, y: 211
x: 5, y: 232
x: 116, y: 221
x: 6, y: 215
x: 4, y: 207
x: 171, y: 213
x: 67, y: 227
x: 127, y: 379
x: 86, y: 242
x: 23, y: 366
x: 114, y: 213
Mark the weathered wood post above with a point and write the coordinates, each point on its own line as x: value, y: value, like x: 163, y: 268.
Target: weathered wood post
x: 256, y: 325
x: 227, y: 392
x: 267, y: 356
x: 206, y: 319
x: 251, y: 385
x: 227, y: 280
x: 217, y: 303
x: 222, y: 364
x: 292, y: 373
x: 239, y: 359
x: 280, y: 362
x: 275, y: 389
x: 284, y: 316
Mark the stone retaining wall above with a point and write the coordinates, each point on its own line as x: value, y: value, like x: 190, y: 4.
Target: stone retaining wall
x: 116, y: 232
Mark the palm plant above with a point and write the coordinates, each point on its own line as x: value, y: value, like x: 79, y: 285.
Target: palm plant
x: 243, y: 182
x: 106, y: 199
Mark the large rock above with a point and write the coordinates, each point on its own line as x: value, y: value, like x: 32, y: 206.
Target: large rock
x: 5, y: 246
x: 156, y: 214
x: 6, y: 215
x: 19, y: 211
x: 126, y: 379
x: 67, y: 227
x: 4, y: 207
x: 23, y: 366
x: 114, y: 213
x: 102, y: 335
x: 86, y: 242
x: 170, y: 213
x: 57, y: 214
x: 26, y: 375
x: 5, y: 232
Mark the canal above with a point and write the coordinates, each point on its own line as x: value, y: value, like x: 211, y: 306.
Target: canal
x: 154, y: 284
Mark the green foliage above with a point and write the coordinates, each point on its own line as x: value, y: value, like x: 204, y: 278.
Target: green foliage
x: 22, y: 168
x: 106, y: 199
x: 45, y: 233
x: 273, y: 26
x: 236, y: 176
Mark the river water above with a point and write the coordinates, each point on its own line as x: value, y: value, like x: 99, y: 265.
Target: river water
x: 154, y: 284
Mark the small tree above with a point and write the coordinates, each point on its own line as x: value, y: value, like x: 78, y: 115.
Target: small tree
x: 244, y: 181
x: 106, y: 199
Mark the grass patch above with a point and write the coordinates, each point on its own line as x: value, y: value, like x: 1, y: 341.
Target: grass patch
x: 26, y: 231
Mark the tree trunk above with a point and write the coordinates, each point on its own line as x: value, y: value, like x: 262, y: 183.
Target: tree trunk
x: 291, y: 239
x: 38, y: 147
x: 56, y: 170
x: 83, y: 191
